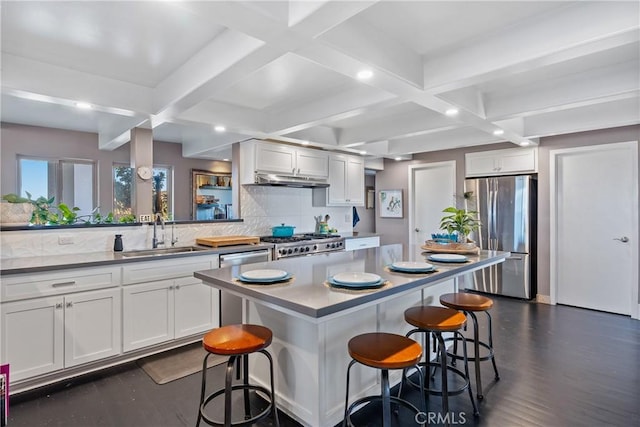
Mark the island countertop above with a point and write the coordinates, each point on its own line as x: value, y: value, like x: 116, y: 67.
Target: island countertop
x: 308, y: 294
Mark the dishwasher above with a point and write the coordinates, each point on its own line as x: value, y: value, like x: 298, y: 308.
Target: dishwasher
x: 231, y: 305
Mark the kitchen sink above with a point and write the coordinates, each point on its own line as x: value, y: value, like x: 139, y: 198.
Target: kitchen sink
x: 164, y: 251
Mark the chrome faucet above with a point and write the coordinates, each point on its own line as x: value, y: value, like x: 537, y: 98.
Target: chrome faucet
x: 155, y: 242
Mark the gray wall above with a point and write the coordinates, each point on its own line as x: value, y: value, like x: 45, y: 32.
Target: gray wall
x: 367, y: 216
x: 57, y: 143
x: 395, y: 176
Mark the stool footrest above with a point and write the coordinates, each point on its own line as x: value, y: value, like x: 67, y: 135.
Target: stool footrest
x: 437, y: 392
x: 470, y: 358
x: 245, y: 422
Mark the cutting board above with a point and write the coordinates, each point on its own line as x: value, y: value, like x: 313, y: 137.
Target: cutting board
x: 216, y: 241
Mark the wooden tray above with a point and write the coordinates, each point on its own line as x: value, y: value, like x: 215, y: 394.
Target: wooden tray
x: 217, y: 241
x: 451, y: 248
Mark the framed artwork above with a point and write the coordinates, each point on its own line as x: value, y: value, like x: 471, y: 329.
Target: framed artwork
x: 391, y: 203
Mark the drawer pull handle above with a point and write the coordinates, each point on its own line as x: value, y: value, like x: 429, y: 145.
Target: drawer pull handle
x: 57, y: 285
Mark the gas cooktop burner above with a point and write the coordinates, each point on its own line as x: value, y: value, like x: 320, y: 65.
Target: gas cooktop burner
x: 304, y: 244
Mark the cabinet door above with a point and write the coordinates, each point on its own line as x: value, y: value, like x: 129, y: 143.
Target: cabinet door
x: 480, y: 164
x: 336, y: 193
x: 312, y: 163
x: 147, y: 314
x: 522, y: 160
x: 196, y: 307
x: 276, y: 158
x: 92, y: 326
x: 355, y: 181
x: 32, y: 336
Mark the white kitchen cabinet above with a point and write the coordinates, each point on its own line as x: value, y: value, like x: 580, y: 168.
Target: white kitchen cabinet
x: 502, y: 162
x: 43, y: 335
x: 163, y: 301
x: 346, y: 182
x: 283, y: 159
x: 354, y: 243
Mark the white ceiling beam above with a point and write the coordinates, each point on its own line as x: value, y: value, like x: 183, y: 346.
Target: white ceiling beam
x: 461, y: 137
x: 323, y: 135
x: 114, y: 96
x: 600, y: 116
x: 558, y: 37
x: 315, y: 18
x: 546, y: 94
x: 203, y: 144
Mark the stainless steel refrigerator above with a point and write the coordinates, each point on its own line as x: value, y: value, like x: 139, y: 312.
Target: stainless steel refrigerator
x: 507, y: 210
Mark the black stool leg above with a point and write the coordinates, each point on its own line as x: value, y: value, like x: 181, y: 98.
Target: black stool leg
x: 443, y: 367
x: 346, y: 399
x: 386, y: 399
x: 245, y: 368
x: 476, y: 352
x: 227, y: 391
x: 202, y: 387
x: 273, y: 389
x: 493, y: 358
x: 466, y: 372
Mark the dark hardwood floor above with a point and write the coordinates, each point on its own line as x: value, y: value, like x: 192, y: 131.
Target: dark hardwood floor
x: 559, y: 366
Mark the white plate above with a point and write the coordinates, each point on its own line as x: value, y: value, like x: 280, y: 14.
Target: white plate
x: 265, y: 274
x: 447, y: 257
x: 356, y: 278
x: 412, y: 266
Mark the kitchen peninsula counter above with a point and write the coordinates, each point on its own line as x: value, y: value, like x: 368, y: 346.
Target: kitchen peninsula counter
x: 312, y: 322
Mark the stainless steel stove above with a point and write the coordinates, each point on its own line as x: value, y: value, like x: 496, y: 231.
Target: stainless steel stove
x: 304, y: 244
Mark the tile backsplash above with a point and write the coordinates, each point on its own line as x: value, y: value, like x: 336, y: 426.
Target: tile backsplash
x: 262, y: 208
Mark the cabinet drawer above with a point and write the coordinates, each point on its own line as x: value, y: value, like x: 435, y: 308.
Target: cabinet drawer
x: 25, y: 286
x: 148, y: 271
x: 362, y: 243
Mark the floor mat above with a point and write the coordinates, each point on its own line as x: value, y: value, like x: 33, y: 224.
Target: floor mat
x: 177, y: 363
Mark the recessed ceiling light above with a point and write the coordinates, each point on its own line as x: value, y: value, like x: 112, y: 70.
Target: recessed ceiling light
x: 305, y: 142
x: 219, y: 128
x: 524, y: 143
x: 365, y: 74
x: 398, y: 158
x: 225, y: 160
x: 363, y: 152
x: 498, y: 132
x: 451, y: 112
x: 84, y: 105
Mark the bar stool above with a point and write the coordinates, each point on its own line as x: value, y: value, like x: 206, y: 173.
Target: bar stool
x: 383, y: 351
x: 237, y: 341
x: 436, y: 320
x: 469, y: 304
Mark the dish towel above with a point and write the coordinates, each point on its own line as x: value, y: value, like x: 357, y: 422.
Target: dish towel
x: 355, y: 216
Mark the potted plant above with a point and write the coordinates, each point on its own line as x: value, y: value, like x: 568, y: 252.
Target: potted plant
x: 15, y: 210
x: 460, y: 221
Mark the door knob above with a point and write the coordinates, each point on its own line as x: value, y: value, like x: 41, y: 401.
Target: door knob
x: 623, y: 239
x: 417, y: 230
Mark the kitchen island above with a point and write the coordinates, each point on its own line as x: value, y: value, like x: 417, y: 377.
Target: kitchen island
x: 312, y: 322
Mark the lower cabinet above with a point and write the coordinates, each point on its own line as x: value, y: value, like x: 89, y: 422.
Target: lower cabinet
x: 163, y: 310
x: 43, y: 335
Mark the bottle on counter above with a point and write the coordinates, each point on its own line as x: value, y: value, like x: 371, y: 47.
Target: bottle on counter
x: 117, y: 243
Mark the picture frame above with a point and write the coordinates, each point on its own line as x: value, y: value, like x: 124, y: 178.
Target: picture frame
x: 391, y: 203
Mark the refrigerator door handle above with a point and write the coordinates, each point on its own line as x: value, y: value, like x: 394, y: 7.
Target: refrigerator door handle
x: 517, y: 258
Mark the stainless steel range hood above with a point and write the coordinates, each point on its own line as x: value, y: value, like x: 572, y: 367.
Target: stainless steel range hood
x: 289, y: 181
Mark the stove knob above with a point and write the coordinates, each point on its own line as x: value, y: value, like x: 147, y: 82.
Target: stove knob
x: 333, y: 245
x: 289, y: 251
x: 315, y: 247
x: 295, y: 250
x: 306, y: 249
x: 328, y: 245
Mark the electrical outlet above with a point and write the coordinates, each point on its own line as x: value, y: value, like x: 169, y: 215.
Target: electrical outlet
x: 145, y: 218
x: 65, y: 240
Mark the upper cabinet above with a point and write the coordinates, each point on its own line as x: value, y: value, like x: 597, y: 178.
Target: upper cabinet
x: 346, y: 182
x: 502, y: 162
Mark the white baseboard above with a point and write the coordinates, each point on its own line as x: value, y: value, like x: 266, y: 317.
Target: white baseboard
x: 543, y: 299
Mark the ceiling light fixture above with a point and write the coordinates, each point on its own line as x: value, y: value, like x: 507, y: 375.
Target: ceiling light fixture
x: 524, y: 143
x: 365, y: 74
x: 305, y: 142
x: 451, y: 112
x: 219, y: 128
x: 363, y: 152
x: 225, y: 160
x: 84, y: 105
x: 398, y: 158
x: 498, y: 132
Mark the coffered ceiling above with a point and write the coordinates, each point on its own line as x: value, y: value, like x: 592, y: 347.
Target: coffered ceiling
x: 287, y: 70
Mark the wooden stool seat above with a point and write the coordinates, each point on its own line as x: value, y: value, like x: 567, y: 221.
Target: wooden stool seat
x: 385, y: 351
x: 435, y: 318
x: 466, y: 302
x: 237, y: 339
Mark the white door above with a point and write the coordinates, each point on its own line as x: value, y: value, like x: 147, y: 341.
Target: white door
x: 594, y: 227
x: 432, y: 187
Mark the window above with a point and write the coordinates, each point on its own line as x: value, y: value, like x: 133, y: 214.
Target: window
x: 123, y: 182
x: 69, y: 181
